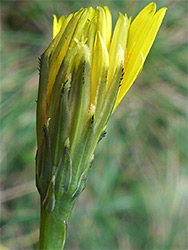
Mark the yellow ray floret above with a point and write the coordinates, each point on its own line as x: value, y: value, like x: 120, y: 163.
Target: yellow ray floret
x: 142, y: 33
x: 108, y: 26
x: 99, y: 67
x: 57, y: 25
x: 101, y: 23
x: 118, y: 45
x: 129, y: 46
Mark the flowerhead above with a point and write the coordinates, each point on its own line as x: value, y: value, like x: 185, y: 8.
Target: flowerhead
x: 84, y: 74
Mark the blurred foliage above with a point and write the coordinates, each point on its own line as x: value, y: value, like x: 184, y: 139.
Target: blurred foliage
x: 137, y: 189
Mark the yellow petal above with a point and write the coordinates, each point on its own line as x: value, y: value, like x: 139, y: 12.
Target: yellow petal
x: 140, y: 22
x: 108, y: 26
x: 118, y: 46
x: 142, y: 34
x: 92, y: 13
x: 92, y: 36
x: 54, y: 26
x: 61, y: 31
x: 57, y: 25
x: 101, y: 23
x: 100, y: 64
x: 85, y: 36
x: 64, y: 24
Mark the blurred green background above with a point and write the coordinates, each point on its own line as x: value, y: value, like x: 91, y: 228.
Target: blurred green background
x: 138, y: 187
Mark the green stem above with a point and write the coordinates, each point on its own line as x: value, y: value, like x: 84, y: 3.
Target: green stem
x: 53, y: 225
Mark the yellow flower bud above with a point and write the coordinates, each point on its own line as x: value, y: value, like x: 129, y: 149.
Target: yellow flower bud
x: 84, y: 74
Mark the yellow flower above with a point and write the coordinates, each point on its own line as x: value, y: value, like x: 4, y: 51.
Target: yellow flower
x: 134, y: 50
x: 84, y: 74
x: 91, y: 31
